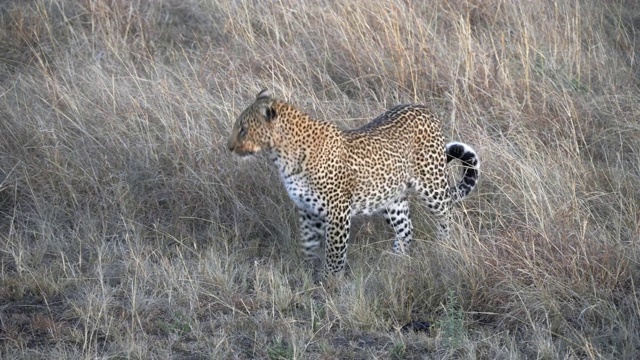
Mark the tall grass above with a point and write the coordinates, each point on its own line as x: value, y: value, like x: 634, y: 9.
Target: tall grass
x: 127, y: 230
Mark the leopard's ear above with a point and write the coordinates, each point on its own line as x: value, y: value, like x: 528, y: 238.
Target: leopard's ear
x: 268, y: 111
x: 266, y: 108
x: 263, y: 94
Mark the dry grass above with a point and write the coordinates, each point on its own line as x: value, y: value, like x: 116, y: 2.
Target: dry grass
x: 127, y: 230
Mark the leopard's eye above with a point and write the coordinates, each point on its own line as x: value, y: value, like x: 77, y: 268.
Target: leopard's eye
x: 242, y: 133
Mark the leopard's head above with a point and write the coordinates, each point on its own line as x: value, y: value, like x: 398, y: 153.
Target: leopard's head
x: 253, y: 130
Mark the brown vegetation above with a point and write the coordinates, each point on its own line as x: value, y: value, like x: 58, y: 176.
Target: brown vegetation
x: 127, y: 230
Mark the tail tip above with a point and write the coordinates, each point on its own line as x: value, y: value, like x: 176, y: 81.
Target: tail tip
x: 462, y: 152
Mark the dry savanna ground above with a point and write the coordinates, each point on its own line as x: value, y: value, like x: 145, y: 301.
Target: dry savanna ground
x: 128, y: 231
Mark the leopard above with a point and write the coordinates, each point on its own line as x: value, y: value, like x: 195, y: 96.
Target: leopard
x: 332, y: 174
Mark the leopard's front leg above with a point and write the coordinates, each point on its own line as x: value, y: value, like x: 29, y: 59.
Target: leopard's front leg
x: 337, y: 235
